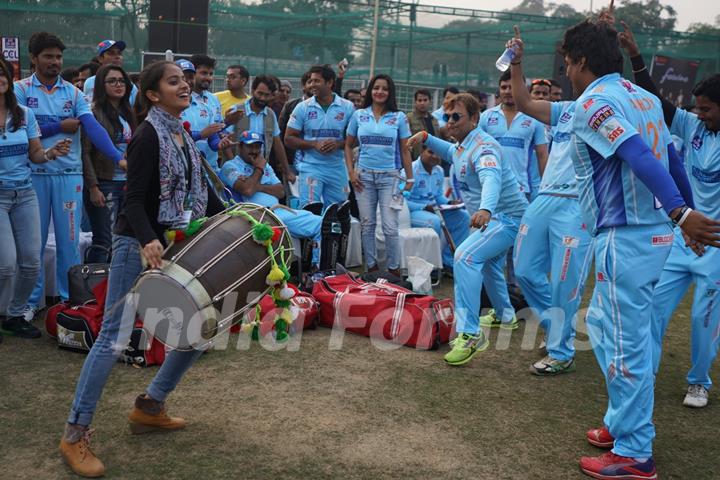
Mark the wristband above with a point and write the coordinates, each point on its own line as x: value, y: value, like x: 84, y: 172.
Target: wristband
x: 45, y: 156
x: 425, y: 136
x: 516, y: 63
x: 410, y: 180
x: 641, y: 70
x: 684, y: 217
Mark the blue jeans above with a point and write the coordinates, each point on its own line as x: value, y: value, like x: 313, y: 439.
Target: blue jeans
x: 114, y: 337
x: 378, y: 188
x: 102, y: 219
x: 20, y: 240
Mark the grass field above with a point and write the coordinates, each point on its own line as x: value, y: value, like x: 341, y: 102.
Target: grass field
x: 354, y: 413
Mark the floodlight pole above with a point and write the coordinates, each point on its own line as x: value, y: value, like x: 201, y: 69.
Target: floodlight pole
x: 373, y: 48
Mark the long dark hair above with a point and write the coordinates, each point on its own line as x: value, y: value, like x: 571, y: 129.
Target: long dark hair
x: 11, y: 102
x: 391, y: 103
x: 149, y: 80
x: 102, y: 103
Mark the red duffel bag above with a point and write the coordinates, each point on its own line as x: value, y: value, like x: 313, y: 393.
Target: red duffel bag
x: 302, y: 304
x: 383, y: 310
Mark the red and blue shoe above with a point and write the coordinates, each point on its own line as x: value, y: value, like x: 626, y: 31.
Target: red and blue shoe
x: 600, y: 437
x: 609, y: 466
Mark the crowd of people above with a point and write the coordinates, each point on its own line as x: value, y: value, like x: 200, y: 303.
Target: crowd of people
x: 538, y: 187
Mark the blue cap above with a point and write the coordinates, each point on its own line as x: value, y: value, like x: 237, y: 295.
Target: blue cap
x: 106, y: 45
x: 247, y: 137
x: 185, y: 65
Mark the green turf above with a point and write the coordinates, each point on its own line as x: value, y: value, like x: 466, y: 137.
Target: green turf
x: 353, y: 413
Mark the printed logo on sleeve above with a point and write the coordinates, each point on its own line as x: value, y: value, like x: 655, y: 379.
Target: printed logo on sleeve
x: 488, y: 161
x: 588, y: 103
x: 612, y: 130
x: 566, y: 117
x: 628, y: 86
x: 597, y: 118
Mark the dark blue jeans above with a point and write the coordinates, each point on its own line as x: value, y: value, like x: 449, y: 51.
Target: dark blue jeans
x: 102, y: 219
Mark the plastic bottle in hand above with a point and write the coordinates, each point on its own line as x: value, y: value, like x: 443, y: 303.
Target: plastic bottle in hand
x: 503, y: 62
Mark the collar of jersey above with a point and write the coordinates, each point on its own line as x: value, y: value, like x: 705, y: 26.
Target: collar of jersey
x: 314, y: 103
x: 605, y: 78
x: 37, y: 83
x: 249, y: 111
x: 369, y: 111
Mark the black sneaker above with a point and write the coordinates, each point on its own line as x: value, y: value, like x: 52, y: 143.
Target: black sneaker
x: 18, y: 327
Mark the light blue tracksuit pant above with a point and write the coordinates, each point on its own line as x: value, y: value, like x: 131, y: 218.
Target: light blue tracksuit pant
x: 480, y: 260
x: 303, y: 224
x: 552, y: 239
x: 322, y: 184
x: 628, y: 263
x: 682, y: 268
x: 60, y: 197
x: 457, y: 222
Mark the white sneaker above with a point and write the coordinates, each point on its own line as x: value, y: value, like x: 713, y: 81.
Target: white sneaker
x: 697, y: 396
x: 30, y: 312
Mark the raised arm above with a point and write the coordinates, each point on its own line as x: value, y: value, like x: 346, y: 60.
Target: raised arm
x: 540, y: 110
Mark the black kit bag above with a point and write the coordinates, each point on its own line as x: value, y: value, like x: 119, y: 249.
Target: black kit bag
x: 83, y: 278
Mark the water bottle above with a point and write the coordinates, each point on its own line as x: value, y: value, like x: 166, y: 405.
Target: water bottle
x: 503, y: 63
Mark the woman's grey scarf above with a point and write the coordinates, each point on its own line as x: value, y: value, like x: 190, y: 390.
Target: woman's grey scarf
x: 173, y: 185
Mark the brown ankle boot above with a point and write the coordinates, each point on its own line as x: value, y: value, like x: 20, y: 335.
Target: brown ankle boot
x: 395, y: 271
x: 149, y: 415
x: 76, y: 452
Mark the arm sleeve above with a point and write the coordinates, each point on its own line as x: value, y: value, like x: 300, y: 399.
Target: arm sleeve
x: 213, y: 141
x: 601, y: 126
x: 643, y: 79
x: 487, y: 166
x: 651, y: 172
x: 142, y: 156
x: 50, y: 129
x: 296, y: 117
x: 230, y: 174
x: 352, y: 128
x: 679, y: 174
x: 539, y: 136
x: 403, y: 126
x: 684, y: 125
x: 33, y: 131
x: 442, y: 148
x: 99, y: 137
x: 276, y: 127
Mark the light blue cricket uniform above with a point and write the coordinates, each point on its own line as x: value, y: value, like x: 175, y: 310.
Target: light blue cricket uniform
x: 439, y: 116
x: 322, y: 177
x: 89, y: 90
x: 428, y: 190
x: 300, y: 223
x: 204, y: 110
x: 517, y: 141
x: 552, y: 239
x: 486, y: 182
x: 534, y: 167
x: 379, y: 141
x: 683, y: 267
x: 14, y: 150
x: 121, y: 141
x: 58, y: 184
x: 633, y: 238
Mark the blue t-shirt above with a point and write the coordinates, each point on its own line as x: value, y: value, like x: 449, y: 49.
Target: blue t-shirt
x: 61, y: 102
x: 121, y: 141
x: 702, y: 160
x: 428, y: 187
x: 485, y: 181
x: 314, y: 123
x: 204, y: 110
x: 516, y: 141
x: 610, y: 111
x: 89, y: 89
x: 14, y: 149
x: 257, y: 120
x: 559, y: 174
x: 237, y: 168
x: 379, y: 141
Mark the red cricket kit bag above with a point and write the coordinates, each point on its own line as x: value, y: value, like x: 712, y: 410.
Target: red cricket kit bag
x: 303, y: 305
x: 386, y: 311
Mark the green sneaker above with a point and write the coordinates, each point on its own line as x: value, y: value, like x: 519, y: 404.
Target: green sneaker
x: 549, y: 366
x: 491, y: 321
x: 464, y: 348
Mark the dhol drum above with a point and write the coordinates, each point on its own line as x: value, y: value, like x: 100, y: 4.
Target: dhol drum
x: 209, y: 280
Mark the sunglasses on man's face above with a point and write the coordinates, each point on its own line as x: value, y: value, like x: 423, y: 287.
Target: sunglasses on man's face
x: 541, y: 81
x: 455, y: 117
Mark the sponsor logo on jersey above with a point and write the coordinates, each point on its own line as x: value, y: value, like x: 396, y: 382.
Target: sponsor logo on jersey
x: 67, y: 106
x: 391, y: 121
x: 340, y: 116
x: 571, y: 242
x: 588, y: 103
x: 612, y: 130
x: 526, y: 123
x: 312, y: 115
x: 628, y: 86
x: 32, y: 102
x: 566, y: 117
x: 421, y: 184
x: 364, y: 118
x: 597, y: 118
x: 661, y: 240
x: 697, y: 142
x: 493, y: 121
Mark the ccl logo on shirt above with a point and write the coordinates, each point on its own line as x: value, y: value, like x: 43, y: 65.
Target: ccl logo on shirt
x: 526, y: 123
x: 364, y: 118
x: 391, y: 121
x: 32, y: 102
x: 67, y: 106
x: 493, y: 121
x: 312, y: 115
x: 203, y: 114
x: 340, y: 116
x: 697, y: 142
x: 421, y: 184
x: 566, y: 117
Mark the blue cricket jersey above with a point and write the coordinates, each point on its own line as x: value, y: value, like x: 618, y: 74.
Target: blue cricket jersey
x: 236, y: 168
x: 517, y: 141
x: 257, y: 120
x: 89, y: 90
x: 379, y: 140
x: 702, y: 160
x: 484, y: 179
x: 610, y: 111
x: 559, y: 174
x: 204, y: 110
x: 61, y: 102
x: 121, y: 141
x: 428, y: 187
x: 314, y: 123
x: 14, y: 149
